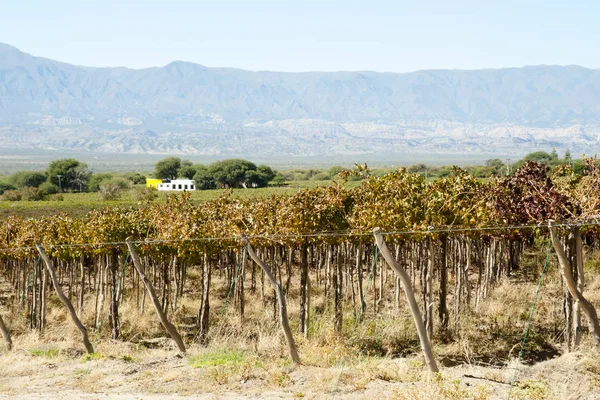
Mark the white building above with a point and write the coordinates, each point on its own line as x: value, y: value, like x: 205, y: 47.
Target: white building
x: 178, y: 185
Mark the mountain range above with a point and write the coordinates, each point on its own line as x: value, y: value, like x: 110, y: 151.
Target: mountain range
x: 186, y: 108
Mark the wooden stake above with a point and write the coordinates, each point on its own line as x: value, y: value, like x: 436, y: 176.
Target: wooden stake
x: 410, y: 297
x: 5, y: 334
x: 159, y: 310
x: 580, y: 285
x: 565, y: 270
x: 283, y: 317
x: 65, y: 300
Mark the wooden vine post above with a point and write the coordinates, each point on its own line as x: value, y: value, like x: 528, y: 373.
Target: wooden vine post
x: 204, y: 311
x: 283, y: 317
x: 64, y: 299
x: 5, y: 334
x: 580, y: 285
x: 113, y: 313
x: 304, y: 291
x: 565, y: 270
x: 410, y: 297
x: 152, y: 293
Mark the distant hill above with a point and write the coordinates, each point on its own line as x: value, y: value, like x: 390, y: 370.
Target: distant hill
x: 188, y: 108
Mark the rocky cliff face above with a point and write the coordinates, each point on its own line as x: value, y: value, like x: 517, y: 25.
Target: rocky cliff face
x: 190, y: 109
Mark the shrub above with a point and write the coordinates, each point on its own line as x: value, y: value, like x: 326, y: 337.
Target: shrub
x: 48, y: 188
x: 278, y: 180
x: 98, y: 179
x: 321, y: 176
x: 31, y: 194
x: 12, y: 195
x: 122, y: 183
x: 144, y: 194
x: 110, y: 191
x: 57, y: 197
x: 23, y: 179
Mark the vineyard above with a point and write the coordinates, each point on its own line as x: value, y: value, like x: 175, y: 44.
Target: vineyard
x: 202, y: 265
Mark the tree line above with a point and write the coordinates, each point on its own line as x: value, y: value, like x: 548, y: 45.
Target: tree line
x: 232, y: 173
x: 496, y: 167
x: 71, y: 175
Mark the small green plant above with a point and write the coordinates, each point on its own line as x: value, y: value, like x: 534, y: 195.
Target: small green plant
x: 530, y: 390
x: 49, y: 353
x: 93, y: 356
x: 127, y: 358
x: 217, y: 358
x: 441, y: 387
x: 222, y: 364
x: 81, y: 372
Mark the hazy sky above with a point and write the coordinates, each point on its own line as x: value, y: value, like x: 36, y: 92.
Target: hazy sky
x: 307, y: 35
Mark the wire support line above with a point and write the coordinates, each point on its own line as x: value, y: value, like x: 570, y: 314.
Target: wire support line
x: 276, y: 236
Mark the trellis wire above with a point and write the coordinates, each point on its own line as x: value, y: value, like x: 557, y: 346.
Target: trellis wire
x: 430, y: 230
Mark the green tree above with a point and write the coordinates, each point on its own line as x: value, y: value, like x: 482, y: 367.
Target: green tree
x: 203, y: 178
x: 187, y: 170
x: 23, y: 179
x: 136, y: 178
x: 261, y: 177
x: 73, y: 174
x: 232, y: 173
x: 266, y: 175
x: 79, y: 177
x: 418, y: 169
x: 278, y: 180
x: 540, y: 157
x: 579, y: 167
x: 495, y: 163
x: 482, y: 171
x: 167, y: 168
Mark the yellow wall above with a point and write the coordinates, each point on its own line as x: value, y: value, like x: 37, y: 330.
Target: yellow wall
x: 153, y: 183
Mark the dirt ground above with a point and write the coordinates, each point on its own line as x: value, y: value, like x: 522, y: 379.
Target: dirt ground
x: 118, y: 371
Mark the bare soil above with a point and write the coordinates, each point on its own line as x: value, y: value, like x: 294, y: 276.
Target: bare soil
x: 119, y: 371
